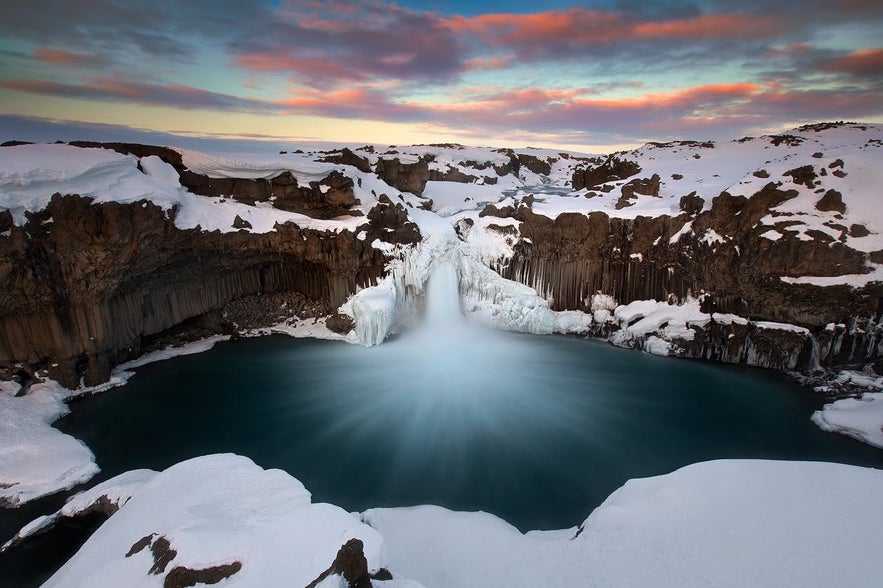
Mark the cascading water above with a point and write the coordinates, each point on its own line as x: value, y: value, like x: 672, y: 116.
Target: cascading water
x: 443, y: 312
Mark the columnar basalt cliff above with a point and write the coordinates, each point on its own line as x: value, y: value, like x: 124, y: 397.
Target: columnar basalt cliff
x: 91, y: 285
x: 779, y: 254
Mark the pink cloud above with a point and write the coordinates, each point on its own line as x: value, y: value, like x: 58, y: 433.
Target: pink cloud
x: 60, y: 57
x: 582, y: 27
x: 864, y: 62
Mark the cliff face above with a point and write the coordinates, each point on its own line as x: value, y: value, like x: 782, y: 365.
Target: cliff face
x: 91, y: 285
x: 786, y: 234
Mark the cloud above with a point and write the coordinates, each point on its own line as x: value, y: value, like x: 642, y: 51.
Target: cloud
x: 575, y: 31
x: 61, y: 57
x: 324, y: 45
x: 864, y: 62
x: 119, y: 90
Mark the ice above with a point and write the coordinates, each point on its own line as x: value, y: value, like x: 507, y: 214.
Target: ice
x: 860, y: 418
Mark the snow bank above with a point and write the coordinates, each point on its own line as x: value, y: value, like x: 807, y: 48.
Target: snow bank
x: 214, y: 511
x: 721, y: 523
x: 31, y: 174
x: 718, y: 523
x: 860, y: 418
x: 114, y: 493
x: 36, y: 459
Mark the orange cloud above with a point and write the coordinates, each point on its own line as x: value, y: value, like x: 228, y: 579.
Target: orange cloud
x: 864, y: 62
x: 590, y: 27
x: 59, y: 57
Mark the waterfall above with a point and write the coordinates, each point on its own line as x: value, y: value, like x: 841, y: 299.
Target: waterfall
x: 443, y: 298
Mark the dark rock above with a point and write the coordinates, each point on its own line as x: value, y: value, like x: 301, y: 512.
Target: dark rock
x: 181, y: 577
x: 835, y: 164
x: 15, y: 143
x: 163, y: 554
x: 839, y: 173
x: 858, y: 231
x: 643, y: 187
x: 804, y: 175
x: 691, y: 203
x: 832, y: 201
x: 239, y: 223
x: 761, y: 173
x: 140, y: 545
x: 340, y: 323
x: 677, y: 176
x: 612, y: 169
x: 407, y: 177
x: 283, y: 189
x: 492, y: 210
x: 789, y: 140
x: 346, y: 157
x: 390, y: 223
x: 349, y: 563
x: 382, y: 575
x: 102, y: 281
x: 6, y: 222
x: 534, y: 164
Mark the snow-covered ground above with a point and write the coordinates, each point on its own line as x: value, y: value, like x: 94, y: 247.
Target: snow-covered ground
x: 215, y: 511
x: 37, y: 459
x: 720, y: 523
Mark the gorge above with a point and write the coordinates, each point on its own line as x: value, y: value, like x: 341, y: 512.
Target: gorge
x: 762, y: 252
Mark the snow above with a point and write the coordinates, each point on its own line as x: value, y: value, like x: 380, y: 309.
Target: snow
x: 854, y: 280
x: 452, y: 197
x: 36, y: 459
x: 107, y: 176
x: 720, y: 523
x: 860, y: 418
x: 116, y: 491
x: 216, y: 510
x: 717, y: 523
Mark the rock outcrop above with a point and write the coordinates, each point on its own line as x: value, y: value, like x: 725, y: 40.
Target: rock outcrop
x: 91, y: 285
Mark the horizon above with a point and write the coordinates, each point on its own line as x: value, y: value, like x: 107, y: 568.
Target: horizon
x: 592, y: 77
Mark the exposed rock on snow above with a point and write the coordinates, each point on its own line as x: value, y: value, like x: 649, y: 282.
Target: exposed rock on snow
x: 721, y: 523
x: 762, y: 227
x: 214, y: 517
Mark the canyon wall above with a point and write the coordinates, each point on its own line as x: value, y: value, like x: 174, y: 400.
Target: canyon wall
x: 91, y: 285
x: 87, y: 285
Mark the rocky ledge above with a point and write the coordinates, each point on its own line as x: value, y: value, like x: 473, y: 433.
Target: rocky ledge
x: 761, y: 251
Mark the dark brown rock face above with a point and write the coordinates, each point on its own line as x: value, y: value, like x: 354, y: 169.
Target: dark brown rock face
x: 351, y: 564
x: 101, y: 283
x: 612, y: 169
x: 721, y: 255
x: 329, y: 198
x: 346, y: 157
x: 832, y: 201
x: 407, y: 177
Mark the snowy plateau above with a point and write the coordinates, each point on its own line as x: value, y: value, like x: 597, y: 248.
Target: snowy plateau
x: 764, y: 251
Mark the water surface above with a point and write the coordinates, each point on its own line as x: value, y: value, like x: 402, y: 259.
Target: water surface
x: 537, y: 430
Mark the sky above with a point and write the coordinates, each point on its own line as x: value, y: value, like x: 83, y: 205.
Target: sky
x: 589, y: 76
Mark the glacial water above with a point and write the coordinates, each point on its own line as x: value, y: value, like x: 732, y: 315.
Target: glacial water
x: 537, y: 430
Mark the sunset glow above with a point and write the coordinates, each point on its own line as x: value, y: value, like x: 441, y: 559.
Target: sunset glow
x: 583, y: 75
